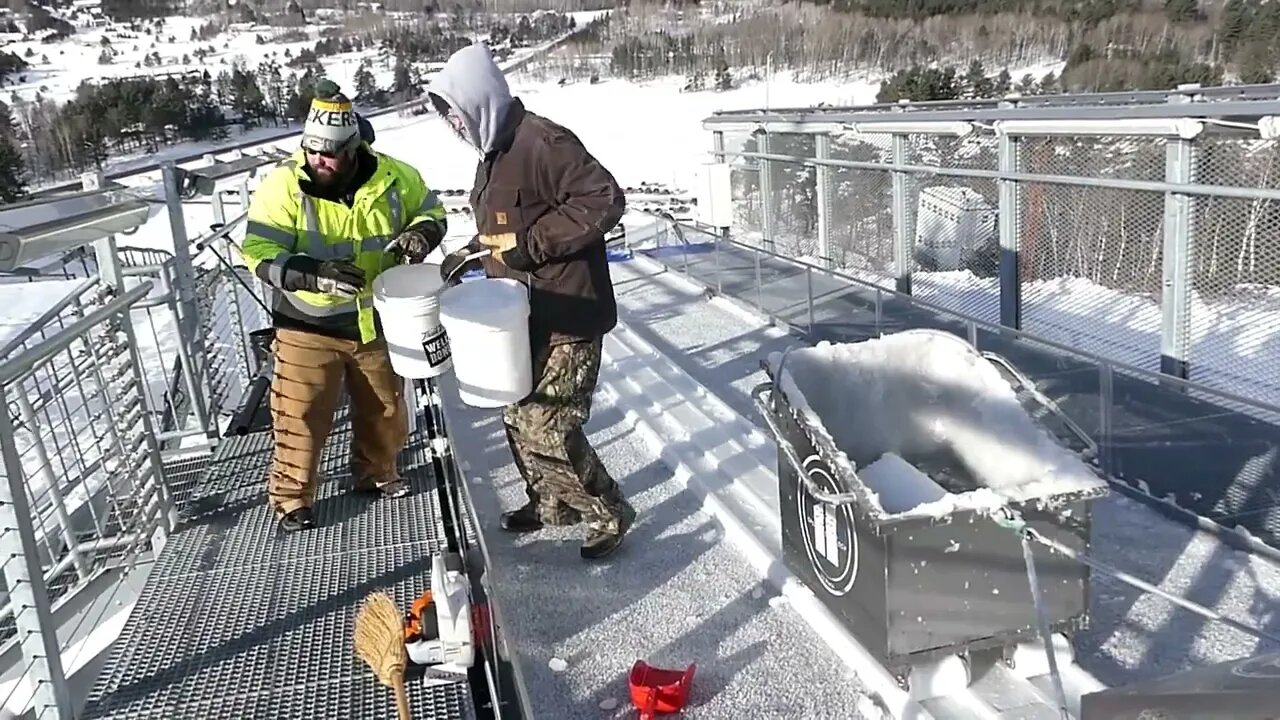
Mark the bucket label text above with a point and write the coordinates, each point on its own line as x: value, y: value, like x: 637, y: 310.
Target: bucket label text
x: 437, y: 347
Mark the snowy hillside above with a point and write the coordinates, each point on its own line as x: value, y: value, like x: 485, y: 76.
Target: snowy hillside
x: 178, y: 45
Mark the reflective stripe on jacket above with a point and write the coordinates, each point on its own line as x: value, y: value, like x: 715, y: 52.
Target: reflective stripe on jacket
x: 284, y: 221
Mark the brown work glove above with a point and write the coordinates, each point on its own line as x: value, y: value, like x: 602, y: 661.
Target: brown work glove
x: 508, y: 249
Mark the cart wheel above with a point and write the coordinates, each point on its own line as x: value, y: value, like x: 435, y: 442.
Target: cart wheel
x: 708, y: 294
x: 1006, y: 656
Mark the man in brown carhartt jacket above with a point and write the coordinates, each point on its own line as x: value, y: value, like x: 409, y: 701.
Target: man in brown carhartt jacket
x: 543, y: 204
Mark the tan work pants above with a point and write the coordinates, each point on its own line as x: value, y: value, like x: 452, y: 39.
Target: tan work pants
x: 309, y: 374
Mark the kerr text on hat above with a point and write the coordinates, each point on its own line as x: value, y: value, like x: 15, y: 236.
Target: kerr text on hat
x: 331, y: 126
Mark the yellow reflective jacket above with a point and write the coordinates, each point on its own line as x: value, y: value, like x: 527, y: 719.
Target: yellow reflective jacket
x: 284, y: 220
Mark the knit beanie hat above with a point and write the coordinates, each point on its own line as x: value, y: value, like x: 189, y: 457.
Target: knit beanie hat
x: 331, y: 125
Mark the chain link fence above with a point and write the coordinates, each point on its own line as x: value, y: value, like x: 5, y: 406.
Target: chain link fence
x: 1233, y: 328
x: 955, y: 239
x: 793, y: 198
x: 862, y: 222
x: 1091, y: 258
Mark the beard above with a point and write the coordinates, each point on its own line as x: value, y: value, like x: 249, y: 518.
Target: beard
x: 327, y: 178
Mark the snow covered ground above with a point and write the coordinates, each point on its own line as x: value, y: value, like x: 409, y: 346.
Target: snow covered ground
x: 58, y: 68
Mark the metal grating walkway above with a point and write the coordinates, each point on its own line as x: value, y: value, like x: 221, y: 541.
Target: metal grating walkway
x: 237, y: 620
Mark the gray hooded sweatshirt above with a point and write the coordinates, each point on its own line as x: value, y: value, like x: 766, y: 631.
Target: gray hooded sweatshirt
x: 474, y: 86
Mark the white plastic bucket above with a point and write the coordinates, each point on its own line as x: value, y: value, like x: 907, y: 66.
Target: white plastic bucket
x: 407, y: 300
x: 488, y: 325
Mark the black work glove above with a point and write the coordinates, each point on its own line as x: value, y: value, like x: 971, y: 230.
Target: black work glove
x: 455, y: 263
x: 336, y: 277
x: 417, y: 242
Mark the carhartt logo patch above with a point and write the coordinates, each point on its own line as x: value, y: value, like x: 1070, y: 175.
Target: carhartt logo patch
x: 500, y: 217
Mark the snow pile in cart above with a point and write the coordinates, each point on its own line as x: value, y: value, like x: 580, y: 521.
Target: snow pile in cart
x: 925, y: 400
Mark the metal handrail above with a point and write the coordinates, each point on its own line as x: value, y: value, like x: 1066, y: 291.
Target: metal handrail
x: 766, y: 412
x: 17, y: 367
x: 1265, y: 91
x: 997, y: 328
x: 1091, y: 445
x: 1158, y: 186
x: 46, y: 317
x: 1236, y: 109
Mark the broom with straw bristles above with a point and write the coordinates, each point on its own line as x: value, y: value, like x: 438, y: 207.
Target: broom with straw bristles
x: 380, y: 643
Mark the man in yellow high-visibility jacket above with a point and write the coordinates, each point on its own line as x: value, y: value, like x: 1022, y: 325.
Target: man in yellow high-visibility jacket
x: 319, y: 228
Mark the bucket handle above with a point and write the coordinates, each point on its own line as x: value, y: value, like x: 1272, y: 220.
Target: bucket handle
x: 449, y: 280
x: 466, y: 259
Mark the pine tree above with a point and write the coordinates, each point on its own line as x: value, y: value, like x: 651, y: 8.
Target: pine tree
x: 1181, y: 10
x: 366, y: 85
x: 1255, y: 64
x: 247, y: 98
x: 12, y: 168
x: 1004, y: 84
x: 1233, y: 24
x: 976, y: 82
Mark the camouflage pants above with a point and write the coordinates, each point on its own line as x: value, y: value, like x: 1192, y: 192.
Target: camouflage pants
x: 560, y: 468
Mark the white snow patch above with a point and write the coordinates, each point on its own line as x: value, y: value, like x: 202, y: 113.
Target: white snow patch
x: 24, y: 302
x: 899, y: 484
x: 927, y: 397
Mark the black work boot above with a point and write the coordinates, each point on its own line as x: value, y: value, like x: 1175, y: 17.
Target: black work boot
x: 299, y: 519
x: 605, y: 537
x: 530, y: 518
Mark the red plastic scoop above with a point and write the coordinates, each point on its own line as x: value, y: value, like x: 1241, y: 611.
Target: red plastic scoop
x: 658, y: 691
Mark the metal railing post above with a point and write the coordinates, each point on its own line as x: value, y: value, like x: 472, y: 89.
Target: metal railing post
x: 1175, y: 299
x: 1106, y: 397
x: 104, y: 250
x: 189, y: 325
x: 1009, y: 223
x: 903, y: 228
x: 24, y: 580
x: 766, y: 191
x: 219, y: 212
x: 721, y: 239
x: 823, y: 152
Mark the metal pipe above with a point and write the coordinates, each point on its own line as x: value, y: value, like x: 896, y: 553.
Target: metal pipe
x: 1263, y: 91
x: 823, y: 496
x: 1042, y: 622
x: 1026, y: 110
x: 1158, y: 186
x: 38, y: 636
x: 39, y: 323
x: 25, y: 362
x: 189, y: 318
x: 249, y: 408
